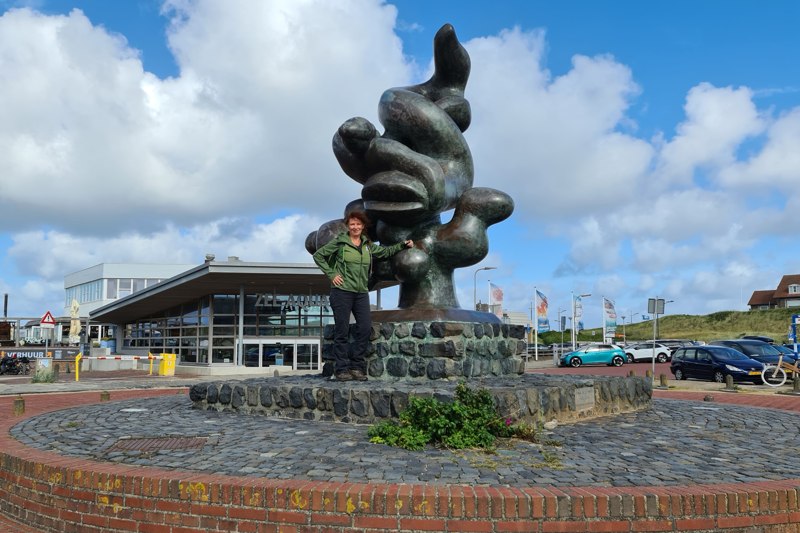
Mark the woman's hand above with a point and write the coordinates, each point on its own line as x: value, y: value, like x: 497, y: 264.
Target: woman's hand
x: 338, y: 280
x: 409, y: 243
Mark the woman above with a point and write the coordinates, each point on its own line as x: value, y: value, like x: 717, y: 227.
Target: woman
x: 347, y: 261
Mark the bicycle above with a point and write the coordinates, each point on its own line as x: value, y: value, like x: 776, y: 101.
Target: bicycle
x: 775, y: 375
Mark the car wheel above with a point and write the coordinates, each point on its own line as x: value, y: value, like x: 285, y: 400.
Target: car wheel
x: 630, y: 357
x: 661, y: 358
x: 575, y: 362
x: 617, y: 360
x: 719, y: 376
x: 679, y: 375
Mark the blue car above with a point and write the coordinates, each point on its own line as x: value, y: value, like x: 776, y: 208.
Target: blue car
x: 761, y: 351
x: 714, y: 363
x: 606, y: 354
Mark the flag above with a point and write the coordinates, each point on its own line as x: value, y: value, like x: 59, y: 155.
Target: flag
x: 609, y: 318
x: 543, y: 324
x: 610, y: 314
x: 496, y: 294
x: 541, y: 307
x: 578, y: 314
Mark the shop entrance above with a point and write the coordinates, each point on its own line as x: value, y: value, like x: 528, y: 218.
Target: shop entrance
x: 299, y: 354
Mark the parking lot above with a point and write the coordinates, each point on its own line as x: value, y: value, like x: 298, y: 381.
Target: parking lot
x: 545, y: 366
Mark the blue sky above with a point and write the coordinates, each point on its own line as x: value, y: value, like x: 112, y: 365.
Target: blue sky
x: 649, y: 146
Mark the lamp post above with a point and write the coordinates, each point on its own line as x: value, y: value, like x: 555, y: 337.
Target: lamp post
x: 475, y: 286
x: 574, y: 321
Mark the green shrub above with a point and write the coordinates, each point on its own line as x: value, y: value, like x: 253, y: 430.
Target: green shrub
x: 470, y: 421
x: 44, y: 375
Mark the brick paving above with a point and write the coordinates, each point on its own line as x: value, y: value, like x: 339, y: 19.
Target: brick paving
x: 679, y: 441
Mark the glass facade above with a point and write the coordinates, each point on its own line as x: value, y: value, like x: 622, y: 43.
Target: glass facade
x: 115, y: 288
x: 207, y: 330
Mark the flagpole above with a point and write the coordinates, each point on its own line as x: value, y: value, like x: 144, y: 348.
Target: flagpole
x: 491, y: 300
x: 535, y: 326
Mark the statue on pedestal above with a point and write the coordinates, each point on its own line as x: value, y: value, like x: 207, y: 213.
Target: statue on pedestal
x: 418, y: 168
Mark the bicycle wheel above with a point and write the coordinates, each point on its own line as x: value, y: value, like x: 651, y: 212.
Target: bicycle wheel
x: 773, y: 376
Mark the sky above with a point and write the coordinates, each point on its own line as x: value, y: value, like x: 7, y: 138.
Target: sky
x: 651, y: 148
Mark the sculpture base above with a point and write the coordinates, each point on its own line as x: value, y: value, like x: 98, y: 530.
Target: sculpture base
x: 423, y: 350
x: 532, y: 398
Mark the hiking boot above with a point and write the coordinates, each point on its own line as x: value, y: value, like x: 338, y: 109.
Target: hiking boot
x: 358, y: 375
x: 344, y: 375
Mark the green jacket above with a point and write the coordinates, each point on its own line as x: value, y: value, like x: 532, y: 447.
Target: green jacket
x: 340, y: 256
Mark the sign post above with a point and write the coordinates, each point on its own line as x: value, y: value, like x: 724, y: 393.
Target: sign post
x: 47, y: 322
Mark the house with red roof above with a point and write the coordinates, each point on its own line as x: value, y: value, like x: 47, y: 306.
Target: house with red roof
x: 787, y: 294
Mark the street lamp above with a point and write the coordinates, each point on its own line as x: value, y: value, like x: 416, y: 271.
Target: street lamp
x: 574, y: 321
x: 475, y: 286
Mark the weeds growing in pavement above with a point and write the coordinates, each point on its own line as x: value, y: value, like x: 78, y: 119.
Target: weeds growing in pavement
x: 45, y: 375
x: 469, y: 421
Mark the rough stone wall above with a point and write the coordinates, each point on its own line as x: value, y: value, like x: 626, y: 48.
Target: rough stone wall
x: 529, y: 398
x: 422, y: 351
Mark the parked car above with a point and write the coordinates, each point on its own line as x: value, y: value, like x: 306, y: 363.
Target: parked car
x: 674, y: 344
x: 606, y: 354
x: 759, y: 338
x: 644, y: 352
x: 561, y: 346
x: 754, y: 349
x: 786, y: 350
x: 714, y: 363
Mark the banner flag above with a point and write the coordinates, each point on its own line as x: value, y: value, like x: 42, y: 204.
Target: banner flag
x: 496, y: 294
x: 578, y: 314
x: 609, y: 318
x: 543, y: 324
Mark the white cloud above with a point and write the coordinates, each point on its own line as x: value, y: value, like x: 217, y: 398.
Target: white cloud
x: 554, y: 144
x: 245, y: 128
x: 717, y: 121
x: 103, y: 161
x: 776, y: 166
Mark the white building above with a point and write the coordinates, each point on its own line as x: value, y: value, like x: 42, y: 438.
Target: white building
x: 105, y: 283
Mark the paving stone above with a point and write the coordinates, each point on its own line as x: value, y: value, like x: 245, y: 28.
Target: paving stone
x: 666, y: 445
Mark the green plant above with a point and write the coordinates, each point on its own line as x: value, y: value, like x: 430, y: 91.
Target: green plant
x: 469, y: 421
x: 44, y: 375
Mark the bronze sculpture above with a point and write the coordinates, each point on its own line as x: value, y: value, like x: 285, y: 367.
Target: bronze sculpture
x: 420, y: 167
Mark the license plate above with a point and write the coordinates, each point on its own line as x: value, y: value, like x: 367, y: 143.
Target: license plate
x: 754, y: 373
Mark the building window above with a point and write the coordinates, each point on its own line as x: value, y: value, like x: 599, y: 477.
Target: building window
x: 794, y: 288
x: 124, y: 287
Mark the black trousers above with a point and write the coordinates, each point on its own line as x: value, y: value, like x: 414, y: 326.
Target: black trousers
x: 343, y: 303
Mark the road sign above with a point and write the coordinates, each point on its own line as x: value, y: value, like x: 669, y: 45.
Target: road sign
x: 47, y: 321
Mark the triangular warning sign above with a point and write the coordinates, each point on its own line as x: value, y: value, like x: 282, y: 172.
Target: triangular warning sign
x: 48, y: 319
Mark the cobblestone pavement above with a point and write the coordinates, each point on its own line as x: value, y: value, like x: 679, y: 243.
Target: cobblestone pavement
x: 677, y: 442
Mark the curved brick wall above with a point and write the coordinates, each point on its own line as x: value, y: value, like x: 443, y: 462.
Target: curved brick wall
x: 54, y: 493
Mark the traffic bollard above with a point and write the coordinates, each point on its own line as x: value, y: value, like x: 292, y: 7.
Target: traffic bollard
x: 19, y: 405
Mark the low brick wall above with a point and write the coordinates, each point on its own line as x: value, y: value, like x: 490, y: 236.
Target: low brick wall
x: 422, y: 351
x: 63, y: 494
x: 531, y: 398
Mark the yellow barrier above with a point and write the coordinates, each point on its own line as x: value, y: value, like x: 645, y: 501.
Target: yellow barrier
x: 167, y: 365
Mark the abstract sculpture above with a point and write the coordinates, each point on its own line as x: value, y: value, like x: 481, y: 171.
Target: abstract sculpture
x: 418, y: 168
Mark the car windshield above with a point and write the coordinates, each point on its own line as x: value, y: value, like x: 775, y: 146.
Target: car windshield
x: 726, y: 353
x: 761, y: 349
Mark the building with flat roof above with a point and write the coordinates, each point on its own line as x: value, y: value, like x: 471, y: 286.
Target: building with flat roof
x: 228, y: 316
